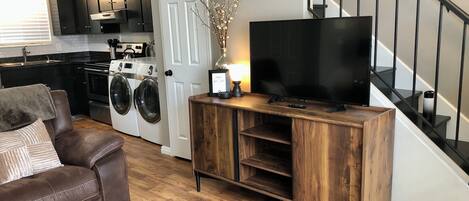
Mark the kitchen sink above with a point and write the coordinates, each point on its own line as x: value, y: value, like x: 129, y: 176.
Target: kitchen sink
x: 30, y: 63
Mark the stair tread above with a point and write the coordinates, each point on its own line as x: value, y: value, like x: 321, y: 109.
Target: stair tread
x: 440, y: 120
x: 404, y: 92
x: 320, y: 6
x: 383, y: 69
x: 463, y: 148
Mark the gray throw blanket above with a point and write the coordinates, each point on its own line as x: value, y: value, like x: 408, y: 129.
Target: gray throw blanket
x: 20, y: 106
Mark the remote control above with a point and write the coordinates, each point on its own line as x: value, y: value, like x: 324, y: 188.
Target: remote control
x: 298, y: 106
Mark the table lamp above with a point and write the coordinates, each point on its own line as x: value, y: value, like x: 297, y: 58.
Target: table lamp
x: 236, y: 73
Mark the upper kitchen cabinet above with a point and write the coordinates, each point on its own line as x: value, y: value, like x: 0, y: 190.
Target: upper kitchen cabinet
x: 107, y: 5
x: 73, y: 16
x: 139, y: 16
x: 83, y: 10
x: 147, y: 16
x: 63, y: 17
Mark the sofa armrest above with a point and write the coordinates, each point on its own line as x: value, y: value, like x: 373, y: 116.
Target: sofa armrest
x: 84, y: 147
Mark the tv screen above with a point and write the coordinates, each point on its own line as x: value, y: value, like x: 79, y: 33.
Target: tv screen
x: 321, y: 59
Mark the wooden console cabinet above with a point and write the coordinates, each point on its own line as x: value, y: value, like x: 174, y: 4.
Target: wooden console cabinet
x: 294, y: 154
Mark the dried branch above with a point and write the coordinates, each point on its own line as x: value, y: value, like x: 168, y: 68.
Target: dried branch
x: 220, y: 14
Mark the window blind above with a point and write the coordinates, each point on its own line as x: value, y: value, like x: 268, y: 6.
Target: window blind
x: 24, y: 22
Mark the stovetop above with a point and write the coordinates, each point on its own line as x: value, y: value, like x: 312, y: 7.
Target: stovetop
x: 99, y: 65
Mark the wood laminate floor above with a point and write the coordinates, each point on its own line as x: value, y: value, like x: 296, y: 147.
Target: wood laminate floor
x: 154, y: 176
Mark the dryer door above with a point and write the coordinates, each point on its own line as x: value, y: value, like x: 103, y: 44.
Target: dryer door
x: 147, y: 99
x: 120, y: 94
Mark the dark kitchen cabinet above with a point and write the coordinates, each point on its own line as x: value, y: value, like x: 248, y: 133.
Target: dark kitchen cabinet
x: 140, y: 17
x: 80, y: 94
x: 118, y: 4
x: 65, y: 77
x: 63, y: 17
x: 147, y: 16
x: 84, y: 23
x: 134, y: 15
x: 107, y: 5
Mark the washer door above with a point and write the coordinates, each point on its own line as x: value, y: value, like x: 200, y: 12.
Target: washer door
x: 147, y: 99
x: 120, y: 94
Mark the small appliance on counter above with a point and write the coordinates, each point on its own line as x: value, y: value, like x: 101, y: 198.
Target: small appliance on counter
x: 112, y: 47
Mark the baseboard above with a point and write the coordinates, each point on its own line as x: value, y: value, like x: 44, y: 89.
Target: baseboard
x: 166, y: 150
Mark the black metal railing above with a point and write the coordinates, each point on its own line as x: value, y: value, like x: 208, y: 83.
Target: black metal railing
x: 412, y: 105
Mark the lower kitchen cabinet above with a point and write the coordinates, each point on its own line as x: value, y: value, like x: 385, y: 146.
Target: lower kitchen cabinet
x: 56, y: 77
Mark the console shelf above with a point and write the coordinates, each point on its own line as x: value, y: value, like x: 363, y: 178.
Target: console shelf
x: 270, y: 163
x: 271, y: 183
x: 271, y: 132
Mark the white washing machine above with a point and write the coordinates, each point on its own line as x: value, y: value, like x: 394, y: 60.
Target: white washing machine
x: 122, y: 75
x: 150, y: 101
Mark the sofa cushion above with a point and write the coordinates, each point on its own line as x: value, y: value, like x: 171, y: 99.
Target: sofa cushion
x: 68, y: 183
x: 25, y: 151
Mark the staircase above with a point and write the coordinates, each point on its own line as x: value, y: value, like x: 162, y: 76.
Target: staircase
x: 384, y: 77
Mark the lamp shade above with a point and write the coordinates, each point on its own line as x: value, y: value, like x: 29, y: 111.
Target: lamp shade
x: 236, y: 72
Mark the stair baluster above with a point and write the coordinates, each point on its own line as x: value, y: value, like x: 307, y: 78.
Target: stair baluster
x: 461, y: 80
x: 376, y: 35
x: 396, y: 32
x: 416, y: 52
x: 438, y: 56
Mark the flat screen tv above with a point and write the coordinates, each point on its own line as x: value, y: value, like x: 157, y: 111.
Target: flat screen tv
x: 320, y: 59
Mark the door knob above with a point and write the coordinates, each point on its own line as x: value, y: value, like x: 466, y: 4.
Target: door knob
x: 169, y: 73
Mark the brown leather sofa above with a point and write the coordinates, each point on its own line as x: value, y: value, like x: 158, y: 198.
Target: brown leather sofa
x: 94, y: 168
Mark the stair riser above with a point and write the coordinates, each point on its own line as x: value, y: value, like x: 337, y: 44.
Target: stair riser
x: 387, y: 76
x: 406, y: 109
x: 319, y: 9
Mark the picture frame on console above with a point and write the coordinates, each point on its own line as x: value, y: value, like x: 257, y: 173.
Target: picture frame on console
x: 219, y: 82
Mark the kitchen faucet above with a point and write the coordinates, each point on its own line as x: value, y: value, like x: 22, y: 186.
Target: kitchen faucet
x: 25, y: 54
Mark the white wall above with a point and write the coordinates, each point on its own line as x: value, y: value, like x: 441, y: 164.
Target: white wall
x: 257, y: 10
x: 421, y: 170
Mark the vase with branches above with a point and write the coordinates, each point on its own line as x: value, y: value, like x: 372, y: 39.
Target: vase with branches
x: 217, y: 15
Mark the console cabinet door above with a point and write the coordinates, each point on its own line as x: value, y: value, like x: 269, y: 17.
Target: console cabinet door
x: 326, y: 161
x: 212, y: 140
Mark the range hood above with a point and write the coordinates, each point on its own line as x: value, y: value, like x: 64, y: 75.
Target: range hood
x: 115, y: 16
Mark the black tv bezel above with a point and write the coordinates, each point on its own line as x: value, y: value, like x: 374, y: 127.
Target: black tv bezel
x: 327, y: 101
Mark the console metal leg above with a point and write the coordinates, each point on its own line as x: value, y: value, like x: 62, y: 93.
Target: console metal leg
x: 197, y: 180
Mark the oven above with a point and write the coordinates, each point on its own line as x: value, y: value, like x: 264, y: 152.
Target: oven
x: 97, y: 82
x: 97, y: 88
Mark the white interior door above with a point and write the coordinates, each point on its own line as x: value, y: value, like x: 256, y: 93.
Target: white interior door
x: 186, y: 49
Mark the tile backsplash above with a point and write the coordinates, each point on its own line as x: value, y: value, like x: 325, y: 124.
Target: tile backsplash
x: 76, y: 43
